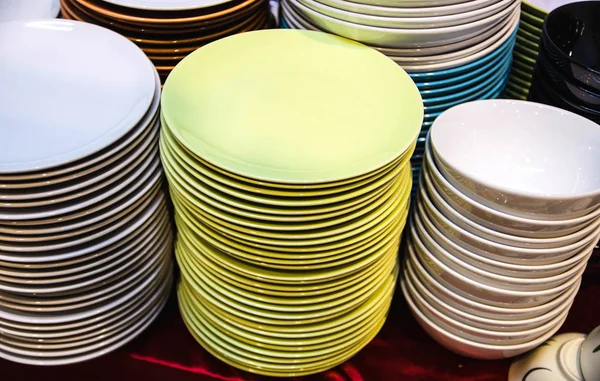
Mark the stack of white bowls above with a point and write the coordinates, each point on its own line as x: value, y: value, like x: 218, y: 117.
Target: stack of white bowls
x: 85, y: 237
x: 455, y: 50
x: 506, y: 220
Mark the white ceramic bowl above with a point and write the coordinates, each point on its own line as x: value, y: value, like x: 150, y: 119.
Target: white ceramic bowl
x: 483, y: 293
x: 474, y: 307
x: 522, y: 161
x: 471, y: 348
x: 435, y: 240
x: 480, y: 335
x: 490, y: 234
x: 496, y: 280
x: 499, y: 221
x: 497, y: 251
x: 399, y: 11
x: 402, y: 38
x: 411, y: 22
x: 477, y: 321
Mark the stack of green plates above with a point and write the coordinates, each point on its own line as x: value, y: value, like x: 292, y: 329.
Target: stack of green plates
x: 288, y: 160
x: 533, y: 13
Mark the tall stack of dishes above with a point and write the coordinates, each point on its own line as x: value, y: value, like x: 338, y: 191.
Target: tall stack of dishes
x: 506, y: 220
x: 567, y: 72
x: 527, y: 46
x: 85, y: 238
x: 167, y: 31
x: 455, y: 50
x: 290, y: 175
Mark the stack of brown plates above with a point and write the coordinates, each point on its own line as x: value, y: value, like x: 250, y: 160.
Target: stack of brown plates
x: 167, y: 31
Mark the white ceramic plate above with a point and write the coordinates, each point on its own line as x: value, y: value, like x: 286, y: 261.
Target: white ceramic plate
x: 407, y: 22
x: 12, y: 10
x: 398, y: 11
x: 70, y: 89
x: 402, y: 38
x: 91, y: 163
x: 166, y: 5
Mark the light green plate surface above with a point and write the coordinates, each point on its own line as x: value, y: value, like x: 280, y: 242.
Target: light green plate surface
x: 535, y: 38
x: 536, y: 31
x: 292, y: 106
x: 527, y: 43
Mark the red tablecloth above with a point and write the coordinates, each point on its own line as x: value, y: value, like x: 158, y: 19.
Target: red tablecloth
x: 401, y: 351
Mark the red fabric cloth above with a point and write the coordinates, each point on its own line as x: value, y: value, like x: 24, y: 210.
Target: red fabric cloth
x: 401, y: 351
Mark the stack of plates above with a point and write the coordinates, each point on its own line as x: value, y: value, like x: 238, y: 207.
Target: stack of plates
x: 289, y: 171
x: 506, y: 220
x: 168, y: 30
x: 533, y: 14
x: 455, y: 51
x: 12, y: 10
x: 567, y: 73
x: 85, y: 239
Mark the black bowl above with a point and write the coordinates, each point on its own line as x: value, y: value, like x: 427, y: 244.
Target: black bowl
x: 541, y: 92
x: 569, y: 89
x: 571, y: 39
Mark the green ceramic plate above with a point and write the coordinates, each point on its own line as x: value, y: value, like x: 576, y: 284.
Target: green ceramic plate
x: 199, y: 191
x: 221, y: 182
x: 381, y: 297
x: 527, y: 43
x: 517, y: 90
x: 274, y: 276
x: 282, y: 345
x: 525, y: 85
x: 295, y: 291
x: 508, y: 94
x: 534, y: 30
x: 195, y: 179
x: 535, y: 38
x: 278, y: 354
x: 530, y: 53
x: 520, y: 57
x: 295, y: 109
x: 231, y: 180
x: 522, y: 65
x: 533, y: 20
x: 521, y: 74
x: 533, y: 10
x: 247, y: 302
x: 321, y: 240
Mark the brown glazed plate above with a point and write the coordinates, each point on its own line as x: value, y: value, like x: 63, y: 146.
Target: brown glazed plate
x: 152, y: 17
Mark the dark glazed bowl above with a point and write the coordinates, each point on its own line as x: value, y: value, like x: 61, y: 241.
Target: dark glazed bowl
x: 569, y: 89
x: 571, y: 39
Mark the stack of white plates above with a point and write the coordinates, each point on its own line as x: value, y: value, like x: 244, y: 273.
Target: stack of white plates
x: 290, y: 175
x: 455, y: 50
x: 506, y: 220
x: 12, y: 10
x: 85, y: 239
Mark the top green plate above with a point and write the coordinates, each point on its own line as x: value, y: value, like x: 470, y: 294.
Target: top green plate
x: 291, y: 106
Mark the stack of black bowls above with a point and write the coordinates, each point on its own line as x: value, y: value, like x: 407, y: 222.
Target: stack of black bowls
x: 567, y: 72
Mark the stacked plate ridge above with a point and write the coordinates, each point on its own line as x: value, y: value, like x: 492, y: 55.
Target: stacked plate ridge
x: 168, y: 30
x: 455, y: 50
x: 85, y: 239
x: 506, y: 219
x: 289, y: 171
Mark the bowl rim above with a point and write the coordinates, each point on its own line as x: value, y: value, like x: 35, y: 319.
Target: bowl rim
x: 471, y: 343
x: 420, y: 269
x: 498, y: 334
x: 547, y: 38
x: 552, y: 313
x: 424, y: 221
x: 528, y: 106
x: 429, y: 178
x: 504, y: 278
x: 488, y: 288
